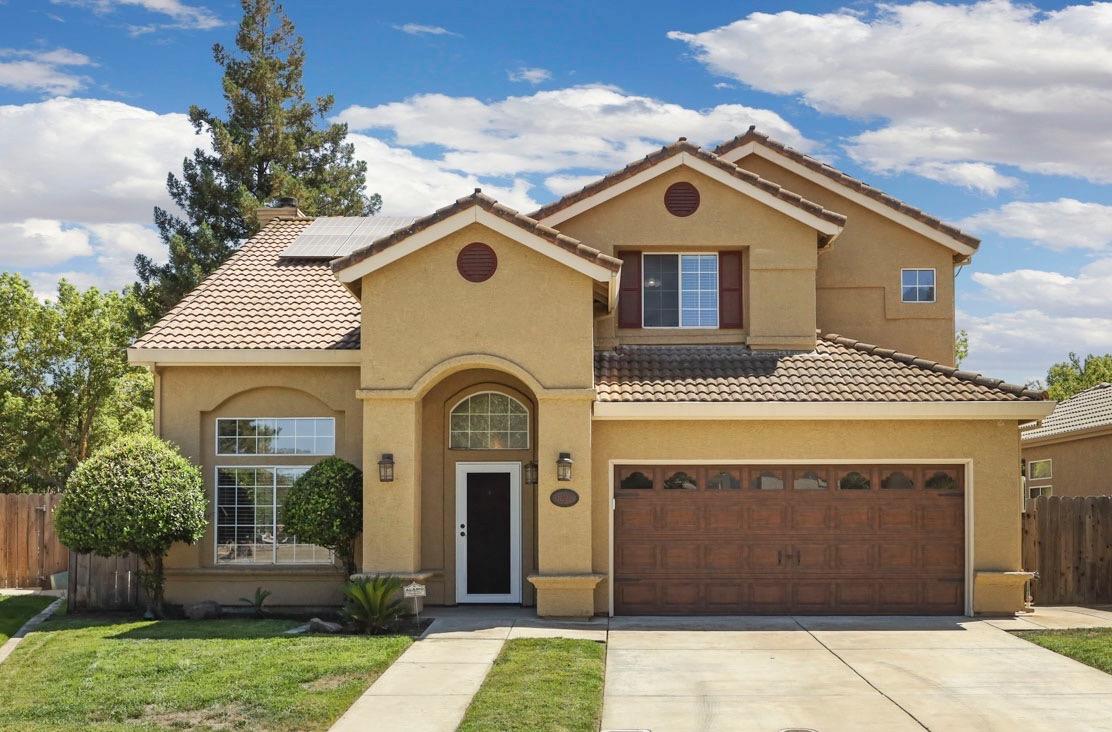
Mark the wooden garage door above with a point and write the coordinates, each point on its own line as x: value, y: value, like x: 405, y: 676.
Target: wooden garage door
x: 806, y: 539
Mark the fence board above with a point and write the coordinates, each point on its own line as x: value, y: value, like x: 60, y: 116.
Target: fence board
x: 1068, y: 541
x: 29, y: 549
x: 103, y: 583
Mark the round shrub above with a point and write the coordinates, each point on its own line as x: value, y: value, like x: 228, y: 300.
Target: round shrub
x: 325, y: 507
x: 137, y: 495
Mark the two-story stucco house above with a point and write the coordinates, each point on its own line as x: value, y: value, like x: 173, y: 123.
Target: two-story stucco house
x: 625, y: 402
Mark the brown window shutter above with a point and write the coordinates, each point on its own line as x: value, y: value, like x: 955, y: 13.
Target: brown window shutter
x: 729, y: 289
x: 629, y: 291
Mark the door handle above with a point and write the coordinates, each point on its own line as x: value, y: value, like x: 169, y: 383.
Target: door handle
x: 797, y: 557
x: 780, y: 558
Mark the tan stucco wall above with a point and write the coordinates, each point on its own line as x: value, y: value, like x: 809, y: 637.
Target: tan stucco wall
x: 1082, y: 467
x: 779, y: 297
x: 992, y: 446
x: 189, y: 399
x: 859, y: 276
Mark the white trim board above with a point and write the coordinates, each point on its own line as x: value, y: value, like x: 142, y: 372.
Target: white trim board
x: 966, y: 462
x: 244, y: 356
x: 820, y: 410
x: 755, y: 148
x: 459, y: 220
x: 701, y: 166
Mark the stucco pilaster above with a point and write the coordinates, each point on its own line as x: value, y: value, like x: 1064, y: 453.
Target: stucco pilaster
x: 392, y: 511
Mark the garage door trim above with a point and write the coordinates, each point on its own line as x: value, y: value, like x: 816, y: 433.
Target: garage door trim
x: 966, y: 463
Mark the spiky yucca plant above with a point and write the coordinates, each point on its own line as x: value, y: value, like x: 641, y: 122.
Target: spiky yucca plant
x: 374, y: 603
x: 257, y: 603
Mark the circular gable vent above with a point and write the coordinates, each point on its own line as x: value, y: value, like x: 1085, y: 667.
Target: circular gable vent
x: 476, y: 262
x: 681, y: 199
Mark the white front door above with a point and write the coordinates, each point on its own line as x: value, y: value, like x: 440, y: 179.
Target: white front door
x: 488, y: 532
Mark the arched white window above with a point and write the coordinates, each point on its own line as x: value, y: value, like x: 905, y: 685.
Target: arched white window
x: 489, y: 420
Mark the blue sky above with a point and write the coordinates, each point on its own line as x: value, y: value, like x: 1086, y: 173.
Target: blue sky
x: 990, y: 115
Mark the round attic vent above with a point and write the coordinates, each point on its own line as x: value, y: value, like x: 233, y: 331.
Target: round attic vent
x: 681, y: 199
x: 476, y: 262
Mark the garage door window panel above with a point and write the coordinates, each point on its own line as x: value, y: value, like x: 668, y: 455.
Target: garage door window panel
x: 724, y: 479
x: 943, y: 479
x: 810, y: 479
x: 681, y: 480
x: 766, y: 479
x: 635, y: 479
x: 898, y: 479
x: 855, y: 479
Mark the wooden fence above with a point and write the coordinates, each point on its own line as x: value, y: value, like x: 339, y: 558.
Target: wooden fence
x: 1068, y: 541
x: 29, y: 549
x: 103, y: 583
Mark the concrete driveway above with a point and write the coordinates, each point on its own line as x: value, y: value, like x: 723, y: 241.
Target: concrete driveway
x: 826, y: 674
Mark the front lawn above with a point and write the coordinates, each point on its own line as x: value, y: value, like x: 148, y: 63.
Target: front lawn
x: 15, y: 610
x: 82, y: 674
x: 541, y: 685
x: 1091, y: 647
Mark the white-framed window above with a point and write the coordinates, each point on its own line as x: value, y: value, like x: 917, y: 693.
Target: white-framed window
x: 248, y: 509
x: 917, y: 285
x: 679, y: 290
x: 1040, y: 469
x: 275, y: 436
x: 1037, y: 491
x: 489, y: 420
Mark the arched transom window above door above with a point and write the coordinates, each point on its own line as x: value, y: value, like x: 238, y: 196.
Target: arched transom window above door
x: 489, y: 420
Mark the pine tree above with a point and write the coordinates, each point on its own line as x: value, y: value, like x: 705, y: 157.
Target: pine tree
x: 268, y: 147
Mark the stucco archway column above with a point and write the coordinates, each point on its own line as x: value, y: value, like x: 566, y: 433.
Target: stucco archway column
x: 392, y: 510
x: 565, y: 581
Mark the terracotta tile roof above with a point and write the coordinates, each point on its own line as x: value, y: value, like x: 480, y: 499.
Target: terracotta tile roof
x: 1085, y: 410
x: 838, y: 370
x: 487, y: 204
x: 258, y: 299
x: 676, y: 148
x: 836, y: 175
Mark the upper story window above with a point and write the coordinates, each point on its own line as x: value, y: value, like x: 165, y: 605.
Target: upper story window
x: 275, y: 436
x: 680, y: 290
x: 1040, y: 469
x: 917, y: 285
x: 489, y: 421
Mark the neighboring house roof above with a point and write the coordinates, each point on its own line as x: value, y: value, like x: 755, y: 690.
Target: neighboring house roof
x: 343, y: 267
x: 742, y: 179
x: 838, y: 370
x: 951, y: 235
x: 260, y: 300
x: 1087, y: 410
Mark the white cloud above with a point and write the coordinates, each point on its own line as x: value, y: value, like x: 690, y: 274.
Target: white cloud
x: 88, y: 160
x: 531, y: 75
x: 976, y: 176
x: 591, y: 127
x: 562, y: 185
x: 1021, y: 345
x: 42, y: 71
x: 417, y: 29
x: 988, y: 83
x: 41, y: 242
x: 414, y: 186
x: 1063, y: 224
x: 1055, y: 293
x: 181, y: 15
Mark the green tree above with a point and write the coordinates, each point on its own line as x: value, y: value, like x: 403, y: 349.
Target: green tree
x: 325, y: 507
x: 268, y: 146
x: 1066, y: 378
x: 138, y: 496
x: 65, y: 385
x: 961, y: 347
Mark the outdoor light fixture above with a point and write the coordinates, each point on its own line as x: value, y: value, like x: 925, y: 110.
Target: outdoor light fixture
x: 386, y: 468
x: 563, y: 466
x: 530, y: 471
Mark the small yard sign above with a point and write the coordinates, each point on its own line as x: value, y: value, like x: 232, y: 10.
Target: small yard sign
x: 414, y: 589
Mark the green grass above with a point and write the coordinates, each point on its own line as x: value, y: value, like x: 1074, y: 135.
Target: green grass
x: 1091, y: 647
x: 15, y: 610
x: 83, y: 674
x: 541, y: 685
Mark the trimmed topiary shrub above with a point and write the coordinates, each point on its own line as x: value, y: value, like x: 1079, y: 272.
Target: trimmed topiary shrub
x: 325, y: 507
x: 137, y: 495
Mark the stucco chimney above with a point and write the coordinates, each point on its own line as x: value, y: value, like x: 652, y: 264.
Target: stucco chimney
x: 285, y: 207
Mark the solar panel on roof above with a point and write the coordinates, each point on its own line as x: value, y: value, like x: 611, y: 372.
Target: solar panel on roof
x: 328, y: 237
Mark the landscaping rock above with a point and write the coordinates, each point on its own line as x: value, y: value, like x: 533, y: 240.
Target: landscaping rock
x: 316, y: 625
x: 206, y: 610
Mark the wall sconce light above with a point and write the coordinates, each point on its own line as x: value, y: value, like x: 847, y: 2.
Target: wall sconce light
x: 530, y: 473
x: 563, y: 466
x: 386, y: 468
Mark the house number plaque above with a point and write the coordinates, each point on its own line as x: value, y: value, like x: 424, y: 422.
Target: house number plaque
x: 564, y: 497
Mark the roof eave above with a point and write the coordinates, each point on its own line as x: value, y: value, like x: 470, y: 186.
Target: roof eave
x: 893, y: 411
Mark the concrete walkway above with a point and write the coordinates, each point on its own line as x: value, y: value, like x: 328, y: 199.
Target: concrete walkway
x: 430, y: 686
x: 829, y: 674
